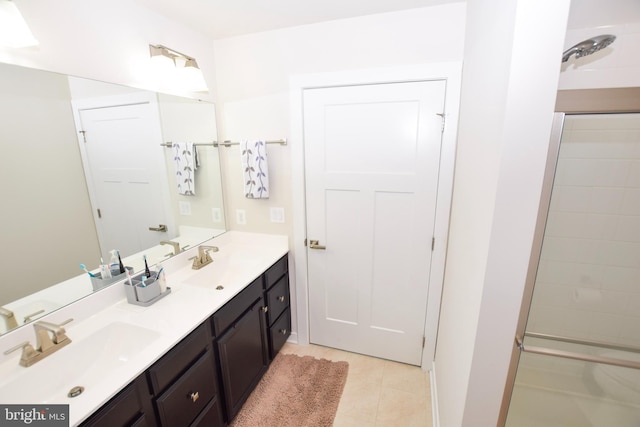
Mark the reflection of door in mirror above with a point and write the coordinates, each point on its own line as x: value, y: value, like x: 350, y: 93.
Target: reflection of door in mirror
x: 128, y: 188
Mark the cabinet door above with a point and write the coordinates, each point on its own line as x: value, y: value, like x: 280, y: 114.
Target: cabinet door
x: 243, y: 355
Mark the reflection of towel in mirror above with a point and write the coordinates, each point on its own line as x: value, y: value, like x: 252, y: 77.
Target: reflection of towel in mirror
x: 255, y: 169
x: 185, y: 159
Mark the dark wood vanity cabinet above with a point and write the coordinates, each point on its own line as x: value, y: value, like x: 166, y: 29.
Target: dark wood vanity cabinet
x: 184, y: 383
x: 276, y: 284
x: 249, y: 331
x: 205, y: 379
x: 131, y: 408
x: 240, y: 329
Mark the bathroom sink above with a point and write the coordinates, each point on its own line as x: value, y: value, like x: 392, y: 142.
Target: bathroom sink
x: 223, y: 270
x: 84, y: 362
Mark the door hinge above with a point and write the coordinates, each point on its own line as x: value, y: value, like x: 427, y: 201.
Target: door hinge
x: 433, y: 243
x: 424, y: 341
x: 443, y: 117
x: 305, y: 243
x: 84, y: 135
x: 99, y: 214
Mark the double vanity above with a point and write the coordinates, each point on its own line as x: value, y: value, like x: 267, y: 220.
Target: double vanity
x: 190, y: 359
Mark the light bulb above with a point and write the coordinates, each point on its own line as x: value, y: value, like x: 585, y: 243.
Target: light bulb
x: 14, y: 31
x: 192, y: 78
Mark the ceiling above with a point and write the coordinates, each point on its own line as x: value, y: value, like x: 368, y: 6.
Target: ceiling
x: 227, y: 18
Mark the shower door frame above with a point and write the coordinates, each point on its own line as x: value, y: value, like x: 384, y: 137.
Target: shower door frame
x: 582, y: 101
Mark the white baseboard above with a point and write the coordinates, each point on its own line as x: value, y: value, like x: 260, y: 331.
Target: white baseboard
x: 434, y: 396
x: 293, y: 338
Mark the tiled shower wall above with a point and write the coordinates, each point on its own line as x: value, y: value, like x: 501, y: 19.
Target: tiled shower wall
x: 588, y: 280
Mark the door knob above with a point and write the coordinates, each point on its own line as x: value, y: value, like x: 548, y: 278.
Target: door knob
x: 314, y: 244
x: 160, y: 227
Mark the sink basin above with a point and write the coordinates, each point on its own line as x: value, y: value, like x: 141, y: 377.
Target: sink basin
x: 83, y: 363
x: 223, y: 270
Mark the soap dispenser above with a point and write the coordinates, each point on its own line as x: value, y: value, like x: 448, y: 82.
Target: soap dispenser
x: 114, y: 263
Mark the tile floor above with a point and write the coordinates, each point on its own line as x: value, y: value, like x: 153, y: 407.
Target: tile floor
x: 378, y: 393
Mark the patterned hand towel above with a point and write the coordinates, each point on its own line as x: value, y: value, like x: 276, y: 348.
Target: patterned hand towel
x: 185, y: 158
x: 255, y: 169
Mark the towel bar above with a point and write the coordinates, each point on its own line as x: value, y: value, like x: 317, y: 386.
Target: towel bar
x: 226, y: 143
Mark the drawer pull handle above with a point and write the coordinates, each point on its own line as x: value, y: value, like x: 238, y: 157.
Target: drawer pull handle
x: 281, y: 298
x: 194, y: 396
x: 283, y: 331
x: 265, y: 309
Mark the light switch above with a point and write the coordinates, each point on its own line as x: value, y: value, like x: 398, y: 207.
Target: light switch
x: 277, y: 215
x: 216, y: 214
x: 185, y: 208
x: 241, y: 216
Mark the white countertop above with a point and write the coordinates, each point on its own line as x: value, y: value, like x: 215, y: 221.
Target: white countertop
x: 150, y: 331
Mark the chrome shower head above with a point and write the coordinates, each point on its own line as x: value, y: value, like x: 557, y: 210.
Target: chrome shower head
x: 588, y: 47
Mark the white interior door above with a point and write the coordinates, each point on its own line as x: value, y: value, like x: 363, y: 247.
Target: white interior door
x: 120, y: 144
x: 372, y: 156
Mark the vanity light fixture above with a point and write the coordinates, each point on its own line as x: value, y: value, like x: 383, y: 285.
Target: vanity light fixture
x: 177, y: 69
x: 14, y: 31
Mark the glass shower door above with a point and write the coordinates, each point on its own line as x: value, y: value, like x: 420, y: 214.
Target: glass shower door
x: 580, y: 353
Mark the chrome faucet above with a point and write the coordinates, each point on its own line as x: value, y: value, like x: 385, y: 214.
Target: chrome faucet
x: 175, y: 245
x: 9, y: 318
x: 203, y: 258
x: 29, y: 317
x: 50, y: 337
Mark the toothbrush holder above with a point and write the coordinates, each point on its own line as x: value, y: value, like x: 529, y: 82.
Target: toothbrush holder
x: 146, y: 293
x: 98, y: 282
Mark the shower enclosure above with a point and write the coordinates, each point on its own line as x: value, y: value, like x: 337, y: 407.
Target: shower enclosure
x: 578, y: 343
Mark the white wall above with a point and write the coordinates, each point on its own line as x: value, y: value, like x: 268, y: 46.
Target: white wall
x: 253, y: 88
x: 253, y: 83
x: 107, y: 41
x: 508, y: 92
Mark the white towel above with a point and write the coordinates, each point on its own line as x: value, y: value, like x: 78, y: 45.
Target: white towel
x: 255, y: 169
x: 185, y: 159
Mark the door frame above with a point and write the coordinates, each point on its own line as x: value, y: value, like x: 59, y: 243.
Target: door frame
x: 107, y: 101
x: 451, y: 73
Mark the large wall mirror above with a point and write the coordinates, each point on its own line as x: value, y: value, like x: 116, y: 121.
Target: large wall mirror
x: 90, y: 167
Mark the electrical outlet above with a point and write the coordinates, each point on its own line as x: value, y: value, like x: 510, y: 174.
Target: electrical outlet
x: 185, y: 208
x: 277, y: 215
x: 241, y: 217
x: 216, y: 214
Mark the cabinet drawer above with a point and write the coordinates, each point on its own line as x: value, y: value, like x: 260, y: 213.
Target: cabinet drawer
x: 177, y: 360
x: 230, y: 312
x: 184, y: 400
x: 211, y: 416
x: 276, y: 271
x: 143, y: 421
x: 124, y: 410
x: 278, y: 299
x: 278, y: 333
